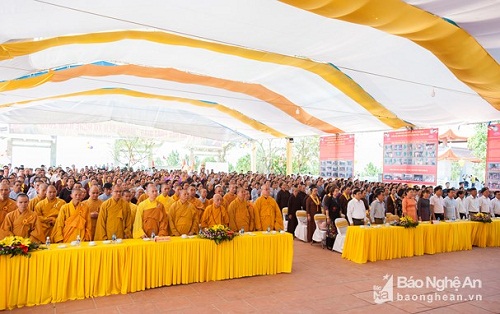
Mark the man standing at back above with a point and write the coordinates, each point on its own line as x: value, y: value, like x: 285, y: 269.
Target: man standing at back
x: 114, y: 218
x: 267, y: 212
x: 73, y: 220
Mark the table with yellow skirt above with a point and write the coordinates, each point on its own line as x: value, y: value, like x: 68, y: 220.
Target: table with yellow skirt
x: 380, y: 242
x: 60, y: 274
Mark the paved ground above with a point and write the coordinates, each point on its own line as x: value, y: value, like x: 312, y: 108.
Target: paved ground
x: 321, y: 281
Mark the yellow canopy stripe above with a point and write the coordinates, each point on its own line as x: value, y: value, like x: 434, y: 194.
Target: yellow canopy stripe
x: 329, y: 73
x: 255, y: 90
x: 456, y: 49
x: 120, y: 91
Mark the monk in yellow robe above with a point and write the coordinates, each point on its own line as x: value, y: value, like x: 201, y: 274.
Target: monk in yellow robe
x: 177, y: 191
x: 215, y: 214
x: 164, y: 199
x: 195, y: 201
x: 48, y: 210
x: 230, y: 196
x: 41, y: 194
x: 73, y: 220
x: 22, y: 222
x: 6, y: 204
x: 127, y: 196
x: 183, y: 216
x: 267, y: 212
x: 150, y: 216
x: 203, y: 198
x: 240, y: 213
x: 114, y: 218
x: 94, y: 205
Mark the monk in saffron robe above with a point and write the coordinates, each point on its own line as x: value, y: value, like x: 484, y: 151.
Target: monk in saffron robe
x: 164, y: 199
x: 127, y: 196
x: 241, y: 214
x: 215, y: 214
x: 94, y: 205
x: 41, y: 194
x: 114, y: 218
x: 267, y: 212
x: 195, y: 201
x: 150, y: 216
x: 73, y: 220
x: 48, y: 210
x: 230, y: 196
x: 22, y: 222
x: 6, y: 204
x: 183, y: 216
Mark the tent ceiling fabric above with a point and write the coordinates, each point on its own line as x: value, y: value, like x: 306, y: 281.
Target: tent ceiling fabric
x: 231, y: 70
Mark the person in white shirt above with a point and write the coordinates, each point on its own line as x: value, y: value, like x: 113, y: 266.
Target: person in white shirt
x: 471, y: 203
x: 495, y: 204
x: 377, y: 208
x: 484, y: 201
x: 450, y: 205
x: 460, y: 204
x: 356, y: 209
x: 437, y: 204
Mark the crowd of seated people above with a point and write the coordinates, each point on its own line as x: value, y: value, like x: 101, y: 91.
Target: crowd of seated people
x: 94, y: 203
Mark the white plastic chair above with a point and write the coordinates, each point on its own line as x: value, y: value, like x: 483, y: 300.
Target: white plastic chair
x: 319, y: 234
x: 341, y: 224
x: 284, y: 211
x: 301, y: 230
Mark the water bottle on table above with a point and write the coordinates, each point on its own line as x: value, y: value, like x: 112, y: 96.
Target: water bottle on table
x: 47, y: 242
x: 78, y: 240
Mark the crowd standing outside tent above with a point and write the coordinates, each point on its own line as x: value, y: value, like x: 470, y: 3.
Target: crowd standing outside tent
x: 100, y: 203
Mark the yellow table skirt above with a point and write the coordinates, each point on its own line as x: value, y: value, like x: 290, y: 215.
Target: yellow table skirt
x: 383, y: 243
x: 61, y: 274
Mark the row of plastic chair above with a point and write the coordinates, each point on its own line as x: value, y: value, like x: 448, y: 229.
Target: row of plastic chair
x: 320, y: 232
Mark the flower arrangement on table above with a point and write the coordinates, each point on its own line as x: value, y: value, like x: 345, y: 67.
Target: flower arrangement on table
x: 407, y: 222
x: 14, y: 246
x: 480, y: 217
x: 217, y: 233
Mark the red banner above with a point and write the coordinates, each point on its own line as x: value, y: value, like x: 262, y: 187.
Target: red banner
x: 493, y: 157
x: 336, y: 156
x: 411, y: 156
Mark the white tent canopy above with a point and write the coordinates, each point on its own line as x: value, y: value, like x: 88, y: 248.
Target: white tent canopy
x: 232, y: 70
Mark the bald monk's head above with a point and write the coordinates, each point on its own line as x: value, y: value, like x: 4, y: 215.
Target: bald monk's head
x: 94, y: 192
x: 117, y: 192
x: 152, y: 192
x: 42, y: 190
x: 217, y: 200
x: 240, y: 192
x: 22, y: 202
x: 51, y: 192
x: 183, y: 196
x: 4, y: 191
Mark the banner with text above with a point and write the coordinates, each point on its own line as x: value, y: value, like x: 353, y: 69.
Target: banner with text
x: 493, y: 157
x: 411, y: 156
x: 336, y: 156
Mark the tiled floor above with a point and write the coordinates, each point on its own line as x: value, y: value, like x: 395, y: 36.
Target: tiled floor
x: 321, y: 281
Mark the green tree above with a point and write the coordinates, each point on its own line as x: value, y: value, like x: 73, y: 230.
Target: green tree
x: 134, y: 151
x: 173, y: 159
x: 306, y: 155
x: 477, y: 144
x: 371, y: 170
x: 243, y: 164
x: 456, y: 170
x: 270, y: 156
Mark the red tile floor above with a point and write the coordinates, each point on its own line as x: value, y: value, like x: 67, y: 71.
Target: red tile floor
x: 321, y: 281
